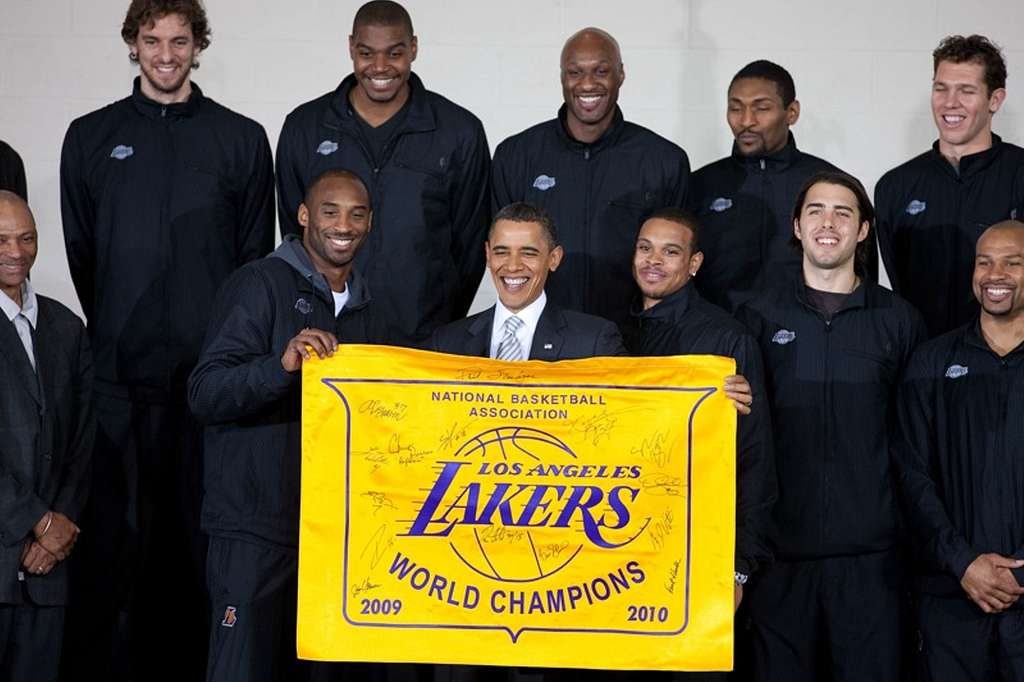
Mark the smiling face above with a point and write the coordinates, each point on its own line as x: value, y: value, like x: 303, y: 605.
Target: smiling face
x: 519, y: 258
x: 664, y: 260
x: 963, y: 107
x: 998, y: 280
x: 166, y: 50
x: 591, y: 77
x: 759, y: 121
x: 830, y: 227
x: 382, y: 57
x: 336, y: 222
x: 18, y: 244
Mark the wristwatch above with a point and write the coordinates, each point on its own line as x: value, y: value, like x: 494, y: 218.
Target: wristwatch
x: 741, y: 578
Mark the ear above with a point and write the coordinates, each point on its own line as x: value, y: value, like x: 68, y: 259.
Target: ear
x: 793, y: 112
x: 413, y: 47
x: 796, y: 229
x: 303, y: 215
x: 622, y: 74
x: 352, y: 47
x: 555, y: 258
x: 369, y: 222
x: 996, y: 100
x: 862, y: 233
x: 696, y: 260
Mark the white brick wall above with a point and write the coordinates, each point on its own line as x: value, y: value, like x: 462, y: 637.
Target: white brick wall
x: 862, y: 71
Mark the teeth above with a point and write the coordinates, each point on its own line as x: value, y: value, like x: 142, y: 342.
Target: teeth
x: 952, y: 119
x: 514, y: 281
x: 381, y: 82
x: 828, y: 241
x: 998, y: 292
x: 589, y: 99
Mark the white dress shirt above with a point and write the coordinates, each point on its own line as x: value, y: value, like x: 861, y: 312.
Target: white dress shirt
x: 530, y: 315
x: 23, y: 318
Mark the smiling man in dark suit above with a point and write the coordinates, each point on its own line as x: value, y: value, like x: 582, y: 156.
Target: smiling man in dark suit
x: 522, y: 249
x: 47, y: 426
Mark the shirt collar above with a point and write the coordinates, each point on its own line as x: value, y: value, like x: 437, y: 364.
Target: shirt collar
x: 29, y: 307
x: 530, y: 315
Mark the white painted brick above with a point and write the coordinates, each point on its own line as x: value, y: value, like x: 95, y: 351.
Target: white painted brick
x: 662, y: 23
x: 35, y: 17
x: 100, y: 18
x: 488, y: 24
x: 1002, y: 22
x: 810, y: 24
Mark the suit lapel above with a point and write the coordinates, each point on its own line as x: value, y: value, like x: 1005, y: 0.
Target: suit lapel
x: 16, y: 357
x: 549, y: 335
x: 478, y: 342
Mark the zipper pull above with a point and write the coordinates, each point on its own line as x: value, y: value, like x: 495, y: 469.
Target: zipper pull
x: 762, y: 164
x: 586, y: 154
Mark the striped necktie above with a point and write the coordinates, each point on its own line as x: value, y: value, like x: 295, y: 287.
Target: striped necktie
x: 510, y: 349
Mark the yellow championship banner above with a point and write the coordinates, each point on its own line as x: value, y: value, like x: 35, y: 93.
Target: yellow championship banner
x: 465, y: 510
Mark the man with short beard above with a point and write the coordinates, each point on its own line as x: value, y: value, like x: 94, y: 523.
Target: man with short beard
x: 932, y: 208
x: 425, y: 161
x: 673, y: 319
x: 744, y: 201
x: 271, y: 315
x: 163, y: 195
x: 833, y: 344
x: 596, y: 174
x: 961, y: 435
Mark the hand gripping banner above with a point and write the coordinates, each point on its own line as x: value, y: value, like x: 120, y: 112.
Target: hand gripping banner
x: 465, y: 510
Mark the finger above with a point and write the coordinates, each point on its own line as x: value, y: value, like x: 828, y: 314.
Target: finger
x: 328, y: 339
x: 740, y: 407
x: 1005, y: 562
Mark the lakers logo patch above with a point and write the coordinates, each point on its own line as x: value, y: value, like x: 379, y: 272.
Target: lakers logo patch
x: 230, y: 617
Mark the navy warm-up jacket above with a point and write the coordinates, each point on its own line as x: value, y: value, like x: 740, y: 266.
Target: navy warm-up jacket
x: 424, y: 257
x: 683, y: 323
x: 160, y: 204
x: 744, y: 206
x: 598, y: 194
x: 960, y: 446
x: 832, y: 391
x: 930, y: 215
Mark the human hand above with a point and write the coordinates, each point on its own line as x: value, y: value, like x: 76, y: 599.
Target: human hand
x: 737, y: 597
x: 323, y: 344
x: 56, y: 533
x: 737, y: 389
x: 36, y: 560
x: 989, y: 583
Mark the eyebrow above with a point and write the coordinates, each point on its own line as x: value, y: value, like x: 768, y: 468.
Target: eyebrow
x: 389, y: 47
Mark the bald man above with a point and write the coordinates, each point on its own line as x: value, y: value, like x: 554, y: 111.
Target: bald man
x: 597, y: 175
x: 962, y: 471
x: 47, y: 433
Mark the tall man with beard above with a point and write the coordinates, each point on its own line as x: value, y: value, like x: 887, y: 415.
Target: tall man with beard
x: 271, y: 315
x: 744, y: 201
x: 426, y: 163
x: 163, y: 195
x: 962, y: 432
x: 833, y: 345
x: 597, y: 175
x: 932, y: 208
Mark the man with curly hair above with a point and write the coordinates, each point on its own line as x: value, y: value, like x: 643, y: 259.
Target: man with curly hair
x: 163, y: 194
x: 933, y: 208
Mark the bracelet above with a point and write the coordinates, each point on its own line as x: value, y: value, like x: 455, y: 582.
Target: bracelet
x: 741, y: 578
x: 49, y: 522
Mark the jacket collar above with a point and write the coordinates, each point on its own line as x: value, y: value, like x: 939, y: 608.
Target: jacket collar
x: 973, y: 337
x: 779, y: 160
x: 294, y: 253
x: 861, y: 297
x: 672, y: 308
x: 971, y: 164
x: 152, y: 109
x: 608, y: 139
x: 547, y: 338
x: 419, y: 119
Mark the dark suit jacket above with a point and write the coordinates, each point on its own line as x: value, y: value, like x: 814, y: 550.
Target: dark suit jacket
x: 560, y: 335
x: 46, y: 437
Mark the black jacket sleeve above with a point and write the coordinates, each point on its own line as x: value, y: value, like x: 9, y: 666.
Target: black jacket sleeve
x: 756, y: 481
x: 77, y: 476
x: 471, y: 217
x: 884, y: 230
x: 941, y: 543
x: 255, y: 236
x: 239, y: 373
x: 501, y: 175
x: 289, y: 180
x: 78, y: 216
x: 609, y: 342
